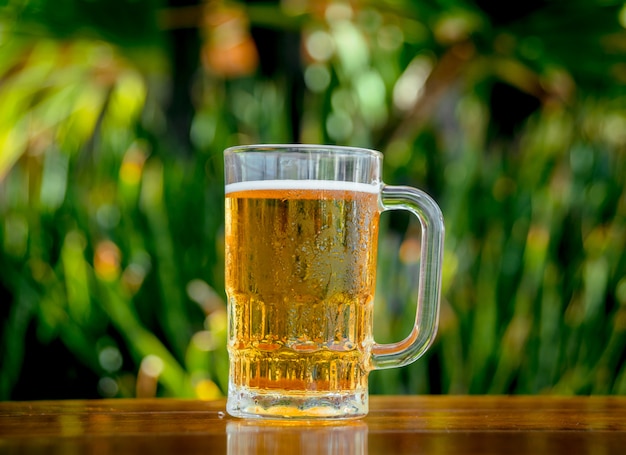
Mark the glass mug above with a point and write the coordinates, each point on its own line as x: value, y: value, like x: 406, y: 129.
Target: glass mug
x: 301, y: 238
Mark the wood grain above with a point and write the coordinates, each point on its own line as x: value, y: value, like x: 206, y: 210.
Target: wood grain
x: 395, y: 425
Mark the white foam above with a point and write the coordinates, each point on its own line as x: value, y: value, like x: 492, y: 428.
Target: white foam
x: 327, y: 185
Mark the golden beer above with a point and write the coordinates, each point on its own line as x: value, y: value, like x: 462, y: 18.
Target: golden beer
x: 300, y: 279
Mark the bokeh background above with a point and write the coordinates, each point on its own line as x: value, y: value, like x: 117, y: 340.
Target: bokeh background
x: 114, y: 115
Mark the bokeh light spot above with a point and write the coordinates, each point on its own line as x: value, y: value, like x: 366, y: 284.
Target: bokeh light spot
x: 339, y: 125
x: 338, y: 11
x: 317, y: 77
x: 622, y: 16
x: 110, y: 359
x: 108, y: 216
x: 203, y: 340
x: 207, y: 390
x: 320, y: 45
x: 410, y: 251
x: 108, y: 387
x: 107, y: 260
x: 152, y: 366
x: 410, y: 85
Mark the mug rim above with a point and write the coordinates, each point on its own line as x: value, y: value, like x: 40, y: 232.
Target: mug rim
x: 308, y: 148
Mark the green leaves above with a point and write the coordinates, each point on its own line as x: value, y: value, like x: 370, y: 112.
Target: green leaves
x: 111, y: 239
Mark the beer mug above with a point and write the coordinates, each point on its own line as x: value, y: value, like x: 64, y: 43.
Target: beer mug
x: 301, y: 237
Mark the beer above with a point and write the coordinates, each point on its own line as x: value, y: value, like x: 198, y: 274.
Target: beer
x: 300, y: 278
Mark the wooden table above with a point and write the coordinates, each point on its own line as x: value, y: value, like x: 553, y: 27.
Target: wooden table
x: 395, y: 425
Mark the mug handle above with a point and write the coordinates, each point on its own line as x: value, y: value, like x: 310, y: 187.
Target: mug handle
x: 427, y: 314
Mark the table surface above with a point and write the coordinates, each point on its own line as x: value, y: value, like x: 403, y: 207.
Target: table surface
x: 395, y: 425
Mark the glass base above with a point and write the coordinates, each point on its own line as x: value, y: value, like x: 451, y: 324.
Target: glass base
x: 265, y: 404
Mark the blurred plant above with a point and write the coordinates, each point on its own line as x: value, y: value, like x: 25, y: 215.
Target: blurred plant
x: 114, y: 116
x: 97, y: 237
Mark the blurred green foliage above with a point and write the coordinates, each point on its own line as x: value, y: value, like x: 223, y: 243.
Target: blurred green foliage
x: 114, y: 116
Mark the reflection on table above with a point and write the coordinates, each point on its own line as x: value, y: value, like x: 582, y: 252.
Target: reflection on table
x: 246, y: 437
